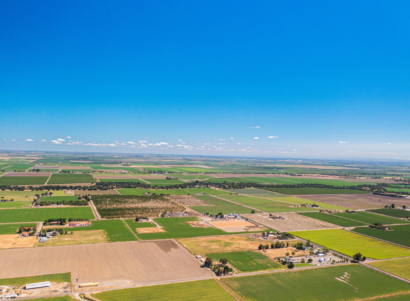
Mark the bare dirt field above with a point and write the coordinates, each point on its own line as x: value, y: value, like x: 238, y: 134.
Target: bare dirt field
x: 275, y: 253
x: 46, y: 167
x: 233, y: 226
x: 291, y: 222
x: 27, y: 174
x: 13, y: 241
x: 150, y: 230
x: 225, y: 243
x: 160, y: 177
x: 142, y: 262
x: 77, y: 238
x: 187, y: 200
x: 357, y: 201
x: 199, y: 224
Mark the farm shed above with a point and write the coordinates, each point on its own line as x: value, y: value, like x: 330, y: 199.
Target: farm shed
x: 38, y: 285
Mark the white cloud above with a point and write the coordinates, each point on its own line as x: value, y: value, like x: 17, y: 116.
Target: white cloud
x: 74, y: 142
x: 256, y: 138
x: 163, y: 143
x: 222, y: 139
x: 180, y: 140
x: 388, y: 142
x: 130, y: 142
x: 56, y: 142
x: 60, y: 139
x: 68, y: 137
x: 43, y: 140
x: 29, y: 140
x: 120, y: 143
x: 238, y: 143
x: 343, y: 142
x: 142, y: 141
x: 272, y: 137
x: 13, y: 140
x: 231, y: 137
x: 255, y: 127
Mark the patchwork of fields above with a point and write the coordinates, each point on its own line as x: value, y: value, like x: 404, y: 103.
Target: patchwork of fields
x: 219, y: 206
x: 398, y: 234
x: 71, y: 179
x: 42, y: 214
x: 4, y: 181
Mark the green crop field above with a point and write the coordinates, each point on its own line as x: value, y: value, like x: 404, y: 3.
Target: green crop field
x: 137, y: 191
x: 391, y: 212
x: 401, y: 190
x: 370, y: 218
x: 195, y: 290
x: 265, y: 205
x: 400, y: 234
x: 58, y: 199
x: 121, y: 180
x: 256, y: 192
x: 193, y: 177
x: 220, y: 206
x: 133, y: 225
x: 164, y: 182
x: 64, y: 298
x: 42, y: 214
x: 206, y: 191
x: 300, y: 201
x: 399, y: 267
x: 401, y: 297
x: 12, y: 228
x: 333, y: 219
x: 350, y: 243
x: 316, y: 190
x: 19, y: 167
x: 5, y: 181
x: 71, y: 179
x: 177, y: 227
x: 247, y: 261
x: 15, y: 204
x: 348, y: 282
x: 64, y: 277
x: 298, y: 180
x: 115, y: 230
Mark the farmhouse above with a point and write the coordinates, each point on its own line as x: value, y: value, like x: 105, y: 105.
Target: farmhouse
x: 79, y: 224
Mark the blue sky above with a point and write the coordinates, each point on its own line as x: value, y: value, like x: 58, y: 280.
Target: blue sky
x: 326, y: 80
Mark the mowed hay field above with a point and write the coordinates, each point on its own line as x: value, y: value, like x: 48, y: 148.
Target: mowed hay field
x: 347, y: 282
x: 42, y: 214
x: 393, y: 212
x: 333, y: 219
x: 370, y: 218
x: 399, y: 267
x: 400, y: 234
x: 20, y: 195
x: 300, y: 201
x: 71, y: 179
x: 142, y: 262
x: 219, y: 206
x: 247, y: 261
x: 197, y: 290
x: 15, y: 204
x: 5, y: 181
x: 350, y: 243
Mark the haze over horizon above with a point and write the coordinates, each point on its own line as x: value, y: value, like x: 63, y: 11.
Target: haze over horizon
x: 280, y: 80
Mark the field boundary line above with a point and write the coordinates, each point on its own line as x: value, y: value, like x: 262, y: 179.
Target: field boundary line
x: 95, y: 211
x: 117, y: 191
x: 385, y: 272
x: 228, y: 290
x: 130, y: 229
x: 368, y: 210
x: 48, y: 179
x: 383, y: 296
x: 386, y: 241
x: 96, y: 179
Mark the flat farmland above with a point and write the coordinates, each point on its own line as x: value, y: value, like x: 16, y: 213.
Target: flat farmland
x: 399, y: 267
x: 333, y: 219
x: 5, y: 181
x: 370, y: 218
x: 160, y: 182
x: 137, y: 191
x: 71, y: 179
x: 177, y: 227
x: 19, y: 167
x: 350, y: 243
x: 247, y: 261
x: 131, y: 206
x: 291, y: 222
x: 141, y: 262
x: 347, y: 282
x: 400, y: 234
x: 265, y: 205
x: 121, y: 180
x: 113, y: 176
x: 64, y: 277
x: 256, y: 192
x: 115, y: 230
x: 6, y: 229
x: 193, y: 177
x: 27, y: 174
x: 393, y: 212
x: 300, y: 180
x: 316, y: 190
x: 300, y: 201
x: 219, y: 206
x: 202, y: 290
x: 206, y: 191
x: 358, y: 201
x: 42, y: 214
x: 15, y: 204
